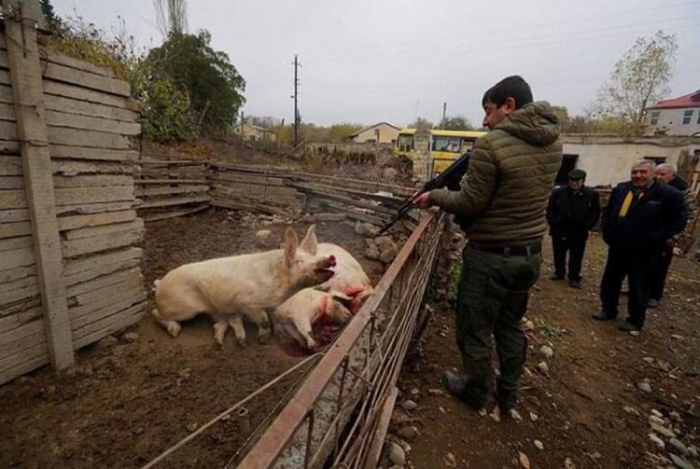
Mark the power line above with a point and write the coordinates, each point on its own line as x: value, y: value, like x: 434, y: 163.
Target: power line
x: 296, y: 98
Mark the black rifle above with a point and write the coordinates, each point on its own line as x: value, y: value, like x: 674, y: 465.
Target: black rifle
x: 449, y: 178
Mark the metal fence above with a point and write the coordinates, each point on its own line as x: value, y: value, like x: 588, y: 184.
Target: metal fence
x: 335, y: 414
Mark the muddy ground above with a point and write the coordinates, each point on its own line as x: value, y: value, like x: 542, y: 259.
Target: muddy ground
x: 127, y: 401
x: 587, y: 408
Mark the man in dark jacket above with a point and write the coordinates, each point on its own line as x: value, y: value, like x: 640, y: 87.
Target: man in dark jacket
x: 640, y: 217
x: 667, y: 174
x: 573, y: 210
x: 501, y: 208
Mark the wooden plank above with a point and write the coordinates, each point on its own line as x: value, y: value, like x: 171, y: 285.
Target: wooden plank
x: 8, y: 130
x: 91, y: 231
x: 18, y: 284
x: 116, y: 308
x: 8, y: 275
x: 6, y: 94
x: 74, y: 168
x: 14, y: 215
x: 11, y: 182
x: 28, y: 352
x: 91, y: 181
x: 184, y: 189
x: 174, y: 201
x: 97, y: 154
x: 5, y: 77
x: 62, y: 59
x: 102, y: 270
x: 103, y: 281
x: 21, y: 257
x: 85, y: 108
x: 108, y: 326
x: 149, y: 217
x: 85, y: 138
x: 128, y: 283
x: 22, y: 292
x: 13, y: 199
x: 17, y: 344
x: 91, y: 195
x: 100, y: 302
x: 251, y: 206
x: 165, y: 162
x: 84, y: 79
x: 75, y: 121
x: 21, y: 332
x: 7, y: 112
x: 23, y: 368
x: 147, y: 182
x: 10, y: 166
x: 79, y: 266
x: 16, y: 243
x: 98, y: 219
x: 119, y: 239
x: 55, y: 88
x: 10, y: 230
x: 20, y: 306
x: 96, y: 208
x: 319, y: 195
x: 9, y: 323
x: 355, y: 215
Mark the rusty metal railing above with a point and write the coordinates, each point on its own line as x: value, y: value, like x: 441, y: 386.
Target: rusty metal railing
x: 334, y: 414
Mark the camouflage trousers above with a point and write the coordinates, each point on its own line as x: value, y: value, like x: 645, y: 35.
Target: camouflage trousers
x: 491, y: 301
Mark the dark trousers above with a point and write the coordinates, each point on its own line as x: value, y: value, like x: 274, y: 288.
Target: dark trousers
x: 637, y: 267
x: 576, y: 247
x: 492, y: 299
x: 659, y: 271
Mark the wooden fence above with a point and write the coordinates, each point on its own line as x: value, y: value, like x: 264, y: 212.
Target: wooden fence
x: 69, y: 265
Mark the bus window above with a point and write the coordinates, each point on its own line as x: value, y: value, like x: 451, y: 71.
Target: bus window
x: 405, y: 143
x: 467, y: 145
x: 447, y: 144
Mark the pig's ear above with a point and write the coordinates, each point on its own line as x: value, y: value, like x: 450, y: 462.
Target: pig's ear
x: 291, y: 242
x: 310, y: 243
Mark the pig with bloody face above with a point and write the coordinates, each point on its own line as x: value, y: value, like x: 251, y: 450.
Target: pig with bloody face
x: 247, y: 285
x: 312, y: 316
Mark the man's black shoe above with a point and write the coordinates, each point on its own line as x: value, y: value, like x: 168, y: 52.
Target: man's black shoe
x: 652, y: 303
x: 575, y: 283
x: 628, y: 326
x: 458, y: 388
x: 556, y: 277
x: 604, y: 316
x: 506, y: 401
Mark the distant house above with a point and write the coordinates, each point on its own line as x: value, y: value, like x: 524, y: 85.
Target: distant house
x: 254, y: 133
x: 677, y: 116
x: 382, y: 132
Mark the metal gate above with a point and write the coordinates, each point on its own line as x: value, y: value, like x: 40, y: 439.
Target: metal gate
x: 335, y: 414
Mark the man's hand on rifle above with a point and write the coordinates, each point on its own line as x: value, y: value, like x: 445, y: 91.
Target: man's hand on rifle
x: 423, y: 200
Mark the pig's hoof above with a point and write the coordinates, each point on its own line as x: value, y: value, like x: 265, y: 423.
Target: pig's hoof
x: 264, y: 337
x: 243, y: 342
x: 174, y: 328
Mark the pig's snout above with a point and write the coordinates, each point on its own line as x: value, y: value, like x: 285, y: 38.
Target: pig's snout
x: 324, y: 269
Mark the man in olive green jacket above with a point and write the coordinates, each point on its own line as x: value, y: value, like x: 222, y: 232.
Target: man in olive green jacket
x: 501, y: 208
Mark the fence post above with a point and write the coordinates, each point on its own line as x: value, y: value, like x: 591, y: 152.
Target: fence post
x: 21, y: 18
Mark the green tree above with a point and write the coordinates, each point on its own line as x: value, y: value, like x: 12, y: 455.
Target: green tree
x: 421, y: 122
x: 456, y: 123
x: 342, y: 132
x: 213, y: 84
x: 640, y: 78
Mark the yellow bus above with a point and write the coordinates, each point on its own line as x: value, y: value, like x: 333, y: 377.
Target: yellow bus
x: 445, y: 146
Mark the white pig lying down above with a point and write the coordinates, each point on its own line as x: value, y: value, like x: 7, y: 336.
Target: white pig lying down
x: 247, y: 285
x: 313, y: 316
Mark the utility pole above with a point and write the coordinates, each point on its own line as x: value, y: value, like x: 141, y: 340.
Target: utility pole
x: 296, y: 96
x: 444, y: 111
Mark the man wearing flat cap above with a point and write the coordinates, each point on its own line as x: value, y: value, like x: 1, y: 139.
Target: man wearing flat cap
x: 573, y: 210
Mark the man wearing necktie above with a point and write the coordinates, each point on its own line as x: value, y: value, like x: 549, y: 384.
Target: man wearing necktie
x: 640, y: 217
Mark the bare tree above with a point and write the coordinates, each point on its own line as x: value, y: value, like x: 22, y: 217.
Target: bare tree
x: 640, y: 78
x: 171, y: 16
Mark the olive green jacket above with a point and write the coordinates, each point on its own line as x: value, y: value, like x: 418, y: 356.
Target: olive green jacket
x: 511, y: 173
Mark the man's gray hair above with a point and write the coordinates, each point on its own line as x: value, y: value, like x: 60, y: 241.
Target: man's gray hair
x: 672, y: 167
x: 649, y: 163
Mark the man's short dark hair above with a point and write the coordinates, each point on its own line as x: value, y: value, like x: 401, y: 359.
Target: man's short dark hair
x: 511, y: 87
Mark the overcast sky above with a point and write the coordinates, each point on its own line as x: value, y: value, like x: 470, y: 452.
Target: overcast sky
x: 377, y: 60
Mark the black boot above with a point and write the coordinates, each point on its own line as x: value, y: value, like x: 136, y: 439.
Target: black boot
x: 458, y: 388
